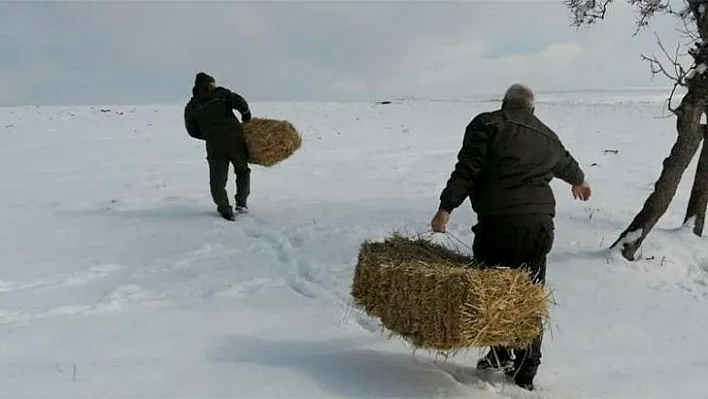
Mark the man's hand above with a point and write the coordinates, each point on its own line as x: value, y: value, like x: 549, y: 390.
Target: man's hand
x: 582, y: 191
x: 439, y: 222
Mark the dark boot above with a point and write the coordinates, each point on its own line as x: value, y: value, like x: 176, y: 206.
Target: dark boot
x: 227, y: 214
x: 523, y: 377
x: 526, y: 364
x: 498, y: 358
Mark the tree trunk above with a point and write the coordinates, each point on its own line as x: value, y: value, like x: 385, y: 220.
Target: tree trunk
x: 689, y: 139
x: 699, y: 194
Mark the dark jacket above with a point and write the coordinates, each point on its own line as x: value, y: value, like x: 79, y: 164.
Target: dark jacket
x: 209, y: 116
x: 506, y: 163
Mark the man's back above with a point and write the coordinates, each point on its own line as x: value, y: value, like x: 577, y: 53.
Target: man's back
x: 211, y: 115
x: 506, y: 164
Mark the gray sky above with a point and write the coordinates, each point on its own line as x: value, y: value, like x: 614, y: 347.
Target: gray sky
x: 90, y: 52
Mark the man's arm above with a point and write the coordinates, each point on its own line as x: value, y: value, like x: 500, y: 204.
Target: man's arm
x: 470, y: 161
x: 237, y: 102
x: 191, y: 125
x: 567, y: 168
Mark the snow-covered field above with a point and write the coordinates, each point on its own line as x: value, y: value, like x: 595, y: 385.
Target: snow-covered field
x: 118, y: 280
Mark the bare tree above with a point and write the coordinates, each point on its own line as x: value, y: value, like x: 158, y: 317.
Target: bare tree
x: 688, y: 112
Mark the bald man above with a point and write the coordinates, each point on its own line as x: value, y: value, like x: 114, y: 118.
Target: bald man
x: 507, y: 161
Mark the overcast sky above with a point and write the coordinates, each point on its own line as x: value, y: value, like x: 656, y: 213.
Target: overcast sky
x: 90, y: 52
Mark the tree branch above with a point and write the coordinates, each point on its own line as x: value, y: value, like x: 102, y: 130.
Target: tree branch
x: 587, y: 12
x: 648, y: 8
x: 693, y: 15
x: 657, y: 68
x: 679, y: 75
x: 685, y: 16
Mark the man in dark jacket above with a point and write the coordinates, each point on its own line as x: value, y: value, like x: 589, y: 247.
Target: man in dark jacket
x: 208, y: 116
x: 507, y: 160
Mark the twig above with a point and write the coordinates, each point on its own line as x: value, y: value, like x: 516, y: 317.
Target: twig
x: 647, y: 10
x: 687, y: 32
x: 657, y: 67
x: 587, y: 12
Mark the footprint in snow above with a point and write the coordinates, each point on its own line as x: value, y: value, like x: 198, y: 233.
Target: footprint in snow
x: 93, y: 273
x: 247, y: 287
x: 301, y: 287
x: 72, y: 279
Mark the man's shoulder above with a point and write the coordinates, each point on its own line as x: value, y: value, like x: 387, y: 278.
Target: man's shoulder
x: 487, y: 117
x: 190, y: 104
x: 542, y: 127
x: 530, y: 121
x: 486, y: 120
x: 222, y: 91
x: 497, y: 118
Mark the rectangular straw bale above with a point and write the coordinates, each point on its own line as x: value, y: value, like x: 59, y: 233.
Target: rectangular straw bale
x: 439, y: 299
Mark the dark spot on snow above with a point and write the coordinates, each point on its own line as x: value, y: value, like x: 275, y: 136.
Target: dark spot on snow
x: 384, y: 102
x: 105, y: 110
x: 611, y: 151
x: 594, y: 164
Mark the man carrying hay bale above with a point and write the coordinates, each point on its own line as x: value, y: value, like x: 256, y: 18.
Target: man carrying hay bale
x: 208, y: 116
x: 506, y: 163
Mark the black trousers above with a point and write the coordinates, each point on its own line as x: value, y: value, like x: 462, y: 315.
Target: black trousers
x: 517, y: 242
x: 219, y: 160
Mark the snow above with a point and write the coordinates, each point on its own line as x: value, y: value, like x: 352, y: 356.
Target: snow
x: 700, y: 69
x: 118, y: 280
x: 690, y: 222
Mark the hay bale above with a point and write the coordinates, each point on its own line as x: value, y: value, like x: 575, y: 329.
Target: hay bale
x: 270, y: 141
x: 439, y: 299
